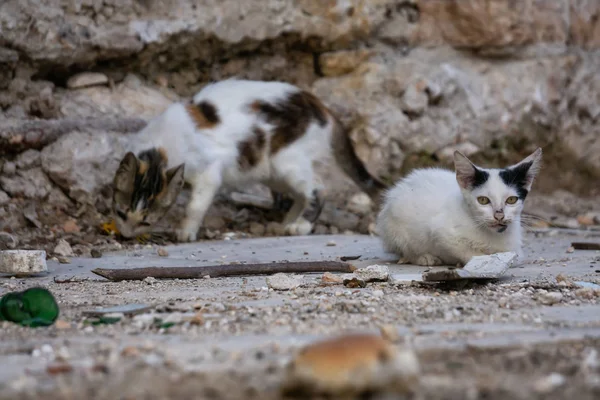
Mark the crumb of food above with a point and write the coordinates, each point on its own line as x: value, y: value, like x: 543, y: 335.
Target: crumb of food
x: 110, y: 228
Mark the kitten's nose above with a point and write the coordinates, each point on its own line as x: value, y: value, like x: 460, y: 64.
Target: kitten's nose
x: 499, y: 215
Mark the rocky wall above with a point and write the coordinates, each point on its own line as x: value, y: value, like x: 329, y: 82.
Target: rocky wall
x: 413, y: 80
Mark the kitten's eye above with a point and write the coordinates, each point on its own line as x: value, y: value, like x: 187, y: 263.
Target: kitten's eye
x: 483, y: 200
x: 512, y: 200
x: 121, y: 215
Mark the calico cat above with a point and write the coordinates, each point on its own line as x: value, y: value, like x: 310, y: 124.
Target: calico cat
x: 436, y: 217
x: 232, y: 132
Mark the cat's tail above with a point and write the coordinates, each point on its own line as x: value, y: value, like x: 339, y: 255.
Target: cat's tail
x: 346, y: 158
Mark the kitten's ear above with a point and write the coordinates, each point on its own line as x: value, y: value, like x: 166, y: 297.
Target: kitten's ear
x: 125, y: 176
x: 529, y: 168
x: 465, y: 170
x: 175, y: 183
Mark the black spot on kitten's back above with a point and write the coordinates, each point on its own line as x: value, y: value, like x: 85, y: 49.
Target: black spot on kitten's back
x: 517, y: 178
x: 479, y: 177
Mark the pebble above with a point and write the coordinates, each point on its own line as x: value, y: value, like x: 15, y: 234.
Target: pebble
x: 331, y: 243
x: 23, y: 262
x: 550, y: 298
x: 86, y: 79
x: 8, y: 241
x: 378, y: 293
x: 281, y: 281
x: 373, y: 273
x: 63, y: 248
x: 142, y: 321
x: 150, y: 280
x: 96, y: 253
x: 162, y: 252
x: 549, y: 383
x: 328, y: 277
x: 64, y: 260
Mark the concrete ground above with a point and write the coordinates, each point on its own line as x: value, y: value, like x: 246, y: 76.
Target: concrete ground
x: 528, y: 334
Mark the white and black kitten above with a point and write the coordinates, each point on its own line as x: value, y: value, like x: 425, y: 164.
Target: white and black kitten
x: 437, y: 217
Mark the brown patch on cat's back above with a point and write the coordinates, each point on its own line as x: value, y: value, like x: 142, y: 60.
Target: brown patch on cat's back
x: 252, y: 150
x: 291, y: 117
x: 204, y: 114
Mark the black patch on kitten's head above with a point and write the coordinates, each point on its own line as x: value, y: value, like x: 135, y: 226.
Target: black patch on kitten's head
x: 468, y: 175
x: 518, y: 178
x: 480, y: 177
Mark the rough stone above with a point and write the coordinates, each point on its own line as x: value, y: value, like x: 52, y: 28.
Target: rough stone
x: 63, y: 249
x: 23, y: 262
x: 342, y: 62
x: 373, y: 273
x: 8, y: 241
x: 82, y: 163
x: 550, y: 298
x: 360, y: 204
x: 86, y: 79
x: 479, y: 267
x: 27, y: 159
x: 31, y: 183
x: 281, y: 281
x: 4, y: 198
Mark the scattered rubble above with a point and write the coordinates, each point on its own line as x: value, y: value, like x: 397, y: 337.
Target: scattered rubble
x: 63, y: 249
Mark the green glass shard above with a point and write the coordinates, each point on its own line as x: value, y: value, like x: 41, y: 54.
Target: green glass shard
x: 33, y: 307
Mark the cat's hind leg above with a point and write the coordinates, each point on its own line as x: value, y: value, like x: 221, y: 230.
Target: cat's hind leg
x: 204, y: 187
x: 297, y: 177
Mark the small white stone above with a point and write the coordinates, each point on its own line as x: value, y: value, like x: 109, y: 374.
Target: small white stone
x: 549, y: 383
x: 23, y: 262
x: 373, y: 273
x: 281, y: 281
x: 377, y: 293
x: 63, y: 249
x: 360, y: 204
x: 550, y: 298
x: 86, y: 79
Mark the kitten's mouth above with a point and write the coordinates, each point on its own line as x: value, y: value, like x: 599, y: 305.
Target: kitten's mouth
x: 499, y: 227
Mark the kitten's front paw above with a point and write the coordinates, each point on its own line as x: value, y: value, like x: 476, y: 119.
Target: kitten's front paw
x: 299, y: 228
x: 185, y: 235
x: 429, y: 260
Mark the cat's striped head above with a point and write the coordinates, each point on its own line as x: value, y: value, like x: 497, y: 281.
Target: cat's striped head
x: 144, y: 190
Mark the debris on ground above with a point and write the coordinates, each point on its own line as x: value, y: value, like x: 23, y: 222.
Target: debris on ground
x: 549, y: 383
x: 281, y: 281
x: 138, y: 274
x: 351, y: 281
x: 491, y: 266
x: 33, y: 307
x: 162, y: 252
x: 126, y: 309
x: 550, y: 298
x: 328, y: 277
x: 585, y: 246
x: 23, y: 262
x: 373, y: 273
x: 351, y: 364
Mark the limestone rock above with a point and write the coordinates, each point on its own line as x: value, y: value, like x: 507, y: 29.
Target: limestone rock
x: 4, y: 198
x: 27, y: 159
x: 31, y: 183
x: 281, y: 281
x: 63, y: 249
x: 81, y: 163
x: 23, y: 262
x: 86, y: 79
x: 373, y: 273
x: 342, y: 62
